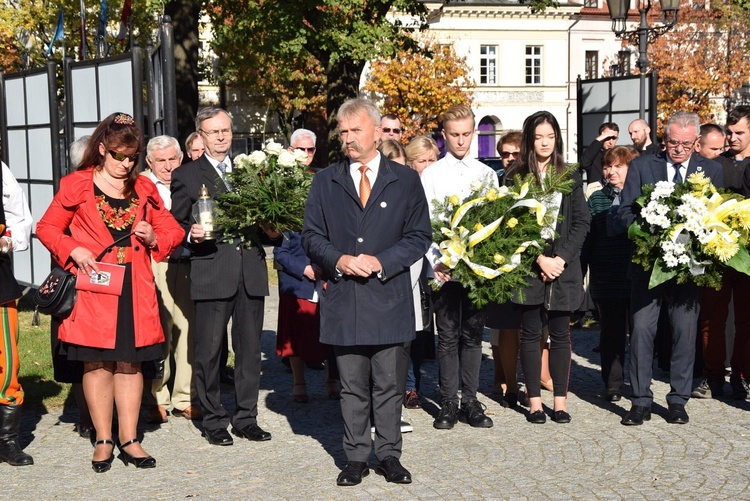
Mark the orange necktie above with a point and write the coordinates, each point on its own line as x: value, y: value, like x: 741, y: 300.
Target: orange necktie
x: 364, y: 186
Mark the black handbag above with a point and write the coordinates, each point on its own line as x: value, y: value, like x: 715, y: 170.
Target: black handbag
x: 57, y: 294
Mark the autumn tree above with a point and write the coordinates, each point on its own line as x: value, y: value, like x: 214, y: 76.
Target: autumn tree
x: 703, y: 57
x: 28, y: 27
x: 316, y: 48
x: 418, y: 85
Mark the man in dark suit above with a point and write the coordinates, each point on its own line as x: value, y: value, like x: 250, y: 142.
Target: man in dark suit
x: 366, y: 222
x: 683, y: 300
x: 227, y: 280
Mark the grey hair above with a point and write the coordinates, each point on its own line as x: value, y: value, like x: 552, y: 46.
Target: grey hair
x: 160, y: 143
x: 357, y: 105
x: 683, y: 120
x: 209, y: 112
x: 189, y: 140
x: 300, y: 134
x: 76, y: 150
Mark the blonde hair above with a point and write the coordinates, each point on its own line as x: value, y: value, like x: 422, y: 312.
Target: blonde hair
x: 457, y: 112
x: 392, y: 149
x: 420, y: 145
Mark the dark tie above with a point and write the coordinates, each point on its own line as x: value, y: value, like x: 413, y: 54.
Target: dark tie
x: 677, y: 176
x: 364, y: 185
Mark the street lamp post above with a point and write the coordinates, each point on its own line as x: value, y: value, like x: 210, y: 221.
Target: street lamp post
x: 618, y: 11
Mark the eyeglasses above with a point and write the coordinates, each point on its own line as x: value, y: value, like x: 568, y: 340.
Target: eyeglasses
x: 508, y: 154
x: 122, y: 156
x: 216, y: 132
x: 672, y: 143
x: 306, y: 150
x: 387, y: 130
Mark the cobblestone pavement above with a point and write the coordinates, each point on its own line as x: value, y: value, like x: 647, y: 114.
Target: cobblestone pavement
x: 592, y: 457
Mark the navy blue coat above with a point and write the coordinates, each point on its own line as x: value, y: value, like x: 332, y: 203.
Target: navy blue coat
x: 292, y: 261
x: 394, y: 227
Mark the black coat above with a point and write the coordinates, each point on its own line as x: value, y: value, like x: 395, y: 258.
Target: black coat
x: 394, y: 227
x: 565, y: 293
x: 216, y: 266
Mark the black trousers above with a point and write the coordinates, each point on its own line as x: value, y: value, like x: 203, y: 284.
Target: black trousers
x: 211, y: 318
x: 533, y: 319
x: 615, y: 319
x: 357, y: 366
x: 459, y: 324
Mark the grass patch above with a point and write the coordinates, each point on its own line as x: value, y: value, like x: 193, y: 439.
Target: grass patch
x: 36, y: 375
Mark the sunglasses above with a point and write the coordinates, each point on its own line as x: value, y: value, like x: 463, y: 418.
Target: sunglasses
x: 306, y: 150
x: 122, y: 156
x: 508, y: 154
x: 388, y: 129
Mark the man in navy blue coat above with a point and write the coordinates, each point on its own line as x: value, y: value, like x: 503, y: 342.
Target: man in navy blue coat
x: 681, y: 300
x: 366, y: 222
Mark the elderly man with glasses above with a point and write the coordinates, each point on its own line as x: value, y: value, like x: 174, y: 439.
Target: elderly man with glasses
x: 681, y: 300
x: 227, y: 280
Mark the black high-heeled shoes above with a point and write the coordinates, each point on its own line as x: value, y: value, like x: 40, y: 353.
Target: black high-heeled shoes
x: 142, y: 462
x: 102, y: 466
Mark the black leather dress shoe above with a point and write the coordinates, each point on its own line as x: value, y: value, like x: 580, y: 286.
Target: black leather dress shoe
x: 677, y: 414
x: 447, y: 416
x: 636, y: 416
x: 537, y: 417
x: 353, y: 473
x: 392, y: 470
x: 473, y: 414
x: 252, y: 432
x: 218, y: 437
x: 613, y: 396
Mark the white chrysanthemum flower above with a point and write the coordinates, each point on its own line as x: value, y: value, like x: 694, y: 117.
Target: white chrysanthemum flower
x: 663, y: 189
x: 683, y: 259
x: 670, y: 260
x: 475, y: 185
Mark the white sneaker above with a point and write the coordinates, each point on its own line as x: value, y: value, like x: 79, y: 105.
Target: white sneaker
x: 406, y: 427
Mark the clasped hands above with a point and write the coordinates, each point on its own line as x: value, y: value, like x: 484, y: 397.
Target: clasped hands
x: 363, y: 265
x: 552, y: 267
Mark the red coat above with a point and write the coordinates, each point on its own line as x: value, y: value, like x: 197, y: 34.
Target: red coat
x: 93, y: 321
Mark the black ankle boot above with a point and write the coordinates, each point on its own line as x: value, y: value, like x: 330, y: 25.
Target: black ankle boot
x: 10, y: 423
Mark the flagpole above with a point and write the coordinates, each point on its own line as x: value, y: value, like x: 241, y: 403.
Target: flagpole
x: 82, y: 55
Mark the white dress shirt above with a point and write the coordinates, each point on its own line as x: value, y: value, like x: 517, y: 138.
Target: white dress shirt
x: 671, y: 169
x: 17, y: 214
x: 372, y: 171
x: 163, y: 189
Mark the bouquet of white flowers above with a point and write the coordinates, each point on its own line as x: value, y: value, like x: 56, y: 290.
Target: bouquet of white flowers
x: 268, y: 190
x: 690, y: 231
x: 484, y: 238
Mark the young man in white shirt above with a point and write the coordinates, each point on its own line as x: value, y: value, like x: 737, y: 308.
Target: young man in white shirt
x: 458, y: 321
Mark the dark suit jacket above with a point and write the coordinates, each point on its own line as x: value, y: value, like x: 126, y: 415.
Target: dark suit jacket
x: 650, y: 169
x: 216, y: 265
x: 291, y: 262
x: 394, y: 227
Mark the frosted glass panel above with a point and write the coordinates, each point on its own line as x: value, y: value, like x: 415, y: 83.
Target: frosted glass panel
x: 14, y: 102
x: 22, y: 266
x: 17, y: 153
x: 625, y: 95
x: 115, y: 88
x: 41, y: 197
x: 40, y: 154
x: 42, y: 261
x: 84, y: 94
x: 595, y: 97
x: 37, y: 99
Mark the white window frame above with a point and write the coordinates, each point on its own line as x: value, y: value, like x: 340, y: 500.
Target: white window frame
x: 533, y: 67
x: 488, y: 64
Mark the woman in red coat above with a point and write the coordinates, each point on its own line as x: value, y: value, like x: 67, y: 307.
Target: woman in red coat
x: 103, y: 201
